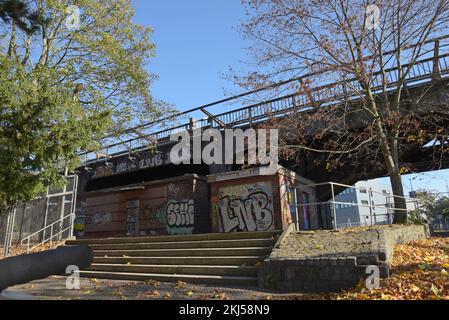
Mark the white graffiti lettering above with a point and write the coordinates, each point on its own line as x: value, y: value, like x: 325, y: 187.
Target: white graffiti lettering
x: 101, y: 218
x: 248, y: 214
x: 180, y: 214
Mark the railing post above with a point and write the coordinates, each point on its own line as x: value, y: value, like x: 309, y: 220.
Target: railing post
x: 11, y: 230
x: 334, y: 208
x: 295, y: 201
x: 62, y: 211
x: 250, y: 117
x: 370, y: 199
x: 6, y: 242
x: 51, y: 235
x: 47, y: 204
x: 436, y: 74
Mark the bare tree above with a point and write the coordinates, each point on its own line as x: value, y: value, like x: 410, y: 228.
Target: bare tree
x: 369, y: 50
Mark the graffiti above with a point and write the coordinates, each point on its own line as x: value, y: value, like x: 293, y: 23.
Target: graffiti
x: 128, y: 165
x: 101, y: 218
x: 173, y: 218
x: 151, y: 162
x: 252, y: 211
x: 173, y: 189
x: 290, y: 194
x: 179, y: 217
x: 152, y: 219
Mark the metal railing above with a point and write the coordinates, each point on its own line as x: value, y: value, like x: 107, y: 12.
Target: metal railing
x: 440, y: 223
x: 43, y: 220
x: 435, y: 65
x: 376, y: 209
x: 52, y: 234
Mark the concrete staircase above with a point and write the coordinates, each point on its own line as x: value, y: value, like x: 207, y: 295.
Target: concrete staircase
x: 219, y: 258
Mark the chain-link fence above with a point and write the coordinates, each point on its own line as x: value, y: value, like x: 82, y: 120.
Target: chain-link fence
x: 43, y: 220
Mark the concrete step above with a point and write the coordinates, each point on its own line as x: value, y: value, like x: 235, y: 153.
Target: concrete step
x: 192, y: 252
x: 177, y: 269
x: 206, y: 279
x: 219, y: 261
x: 220, y: 258
x: 187, y: 244
x: 194, y: 237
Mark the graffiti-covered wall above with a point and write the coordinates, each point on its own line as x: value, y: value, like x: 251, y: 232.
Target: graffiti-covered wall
x: 244, y: 207
x: 298, y: 201
x: 169, y: 207
x: 260, y: 200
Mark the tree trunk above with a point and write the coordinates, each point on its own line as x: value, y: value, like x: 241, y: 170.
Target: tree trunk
x: 400, y: 204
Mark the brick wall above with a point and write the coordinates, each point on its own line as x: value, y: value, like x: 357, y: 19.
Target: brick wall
x: 159, y: 205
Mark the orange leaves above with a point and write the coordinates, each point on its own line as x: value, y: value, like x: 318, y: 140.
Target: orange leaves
x: 404, y: 170
x: 153, y: 294
x: 419, y: 272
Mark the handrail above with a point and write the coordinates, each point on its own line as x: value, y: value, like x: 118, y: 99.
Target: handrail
x: 52, y: 235
x: 323, y: 94
x: 333, y: 202
x: 274, y: 85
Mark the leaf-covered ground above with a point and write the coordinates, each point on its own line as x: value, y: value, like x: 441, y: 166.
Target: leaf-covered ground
x: 16, y: 251
x: 420, y: 271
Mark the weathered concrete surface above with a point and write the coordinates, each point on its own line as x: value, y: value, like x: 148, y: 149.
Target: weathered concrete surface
x: 328, y: 261
x: 54, y: 288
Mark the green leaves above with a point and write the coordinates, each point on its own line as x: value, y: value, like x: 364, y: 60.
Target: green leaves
x: 107, y: 53
x: 76, y: 85
x: 43, y: 127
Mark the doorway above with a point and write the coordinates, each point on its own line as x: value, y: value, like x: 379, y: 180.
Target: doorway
x: 132, y: 218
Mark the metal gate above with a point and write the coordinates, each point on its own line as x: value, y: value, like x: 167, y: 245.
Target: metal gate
x: 41, y: 221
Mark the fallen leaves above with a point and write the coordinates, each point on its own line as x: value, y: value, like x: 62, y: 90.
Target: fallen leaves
x: 435, y: 290
x: 419, y: 272
x: 17, y: 251
x: 153, y: 283
x: 153, y: 294
x: 180, y: 285
x: 188, y: 293
x: 220, y: 295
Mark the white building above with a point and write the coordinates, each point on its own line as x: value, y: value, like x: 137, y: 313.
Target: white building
x: 367, y: 203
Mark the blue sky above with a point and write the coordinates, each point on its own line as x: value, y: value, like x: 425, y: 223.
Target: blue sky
x: 196, y: 42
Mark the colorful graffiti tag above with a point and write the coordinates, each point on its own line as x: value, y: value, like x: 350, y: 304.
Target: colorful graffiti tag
x: 245, y: 208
